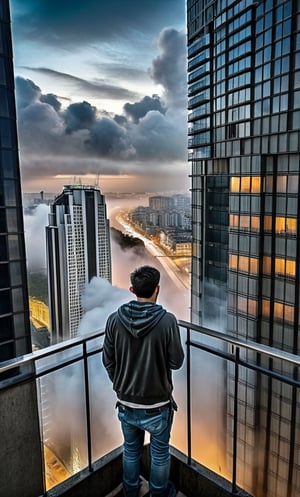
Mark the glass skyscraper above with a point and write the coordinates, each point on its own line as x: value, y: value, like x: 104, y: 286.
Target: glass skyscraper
x: 78, y: 248
x: 14, y: 307
x: 244, y: 149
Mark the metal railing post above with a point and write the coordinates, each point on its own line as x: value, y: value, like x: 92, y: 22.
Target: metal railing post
x: 87, y: 407
x: 235, y: 419
x: 188, y: 396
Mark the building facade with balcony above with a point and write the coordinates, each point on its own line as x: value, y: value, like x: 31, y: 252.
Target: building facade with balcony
x: 244, y: 123
x: 78, y: 248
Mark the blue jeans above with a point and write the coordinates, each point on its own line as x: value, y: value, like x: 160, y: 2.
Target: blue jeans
x: 134, y: 423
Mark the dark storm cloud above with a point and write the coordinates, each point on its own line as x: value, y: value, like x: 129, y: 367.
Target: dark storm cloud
x: 91, y: 88
x: 79, y: 116
x: 80, y: 138
x: 139, y: 109
x: 108, y: 139
x: 169, y: 68
x: 51, y: 100
x: 27, y: 92
x: 43, y: 130
x: 76, y: 22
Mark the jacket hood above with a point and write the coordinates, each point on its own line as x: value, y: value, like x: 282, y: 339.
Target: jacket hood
x: 139, y: 318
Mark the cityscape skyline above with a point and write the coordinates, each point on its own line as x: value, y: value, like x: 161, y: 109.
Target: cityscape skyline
x: 101, y: 92
x: 241, y: 393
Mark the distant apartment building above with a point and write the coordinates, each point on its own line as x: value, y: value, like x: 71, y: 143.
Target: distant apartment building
x: 244, y: 150
x: 176, y: 241
x: 163, y: 213
x: 14, y: 305
x: 78, y: 248
x: 160, y: 203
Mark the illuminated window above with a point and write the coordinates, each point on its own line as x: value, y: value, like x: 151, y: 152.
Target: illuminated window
x: 253, y: 265
x: 245, y: 184
x: 268, y: 223
x: 280, y: 266
x: 280, y: 224
x: 278, y: 310
x: 233, y: 261
x: 235, y: 184
x: 234, y: 220
x: 266, y: 308
x: 289, y: 313
x: 245, y: 222
x: 290, y: 268
x: 288, y: 225
x: 267, y: 265
x: 243, y: 264
x: 291, y: 225
x: 256, y: 180
x: 255, y: 222
x: 252, y: 307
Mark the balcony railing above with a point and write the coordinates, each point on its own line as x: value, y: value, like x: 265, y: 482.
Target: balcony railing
x: 238, y: 413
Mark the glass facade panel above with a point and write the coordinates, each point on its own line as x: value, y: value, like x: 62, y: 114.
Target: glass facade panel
x: 254, y: 114
x: 11, y: 215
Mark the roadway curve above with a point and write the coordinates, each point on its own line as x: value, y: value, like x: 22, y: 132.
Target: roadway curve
x: 179, y: 277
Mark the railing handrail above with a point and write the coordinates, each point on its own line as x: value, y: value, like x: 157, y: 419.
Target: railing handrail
x: 48, y: 351
x: 246, y: 344
x: 80, y: 340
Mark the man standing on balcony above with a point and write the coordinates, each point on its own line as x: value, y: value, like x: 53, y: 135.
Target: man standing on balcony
x: 141, y: 347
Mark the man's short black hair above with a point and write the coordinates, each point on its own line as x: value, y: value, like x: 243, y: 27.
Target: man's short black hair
x: 144, y: 280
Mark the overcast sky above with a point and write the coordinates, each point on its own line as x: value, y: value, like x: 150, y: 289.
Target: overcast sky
x: 101, y: 90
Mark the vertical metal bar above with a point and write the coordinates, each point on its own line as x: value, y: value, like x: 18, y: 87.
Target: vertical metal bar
x: 188, y: 395
x: 87, y: 407
x: 235, y: 419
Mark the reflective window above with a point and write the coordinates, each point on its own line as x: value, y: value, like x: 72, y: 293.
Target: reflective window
x: 5, y: 303
x: 4, y: 276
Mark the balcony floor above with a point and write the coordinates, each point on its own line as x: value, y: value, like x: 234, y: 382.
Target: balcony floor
x: 118, y: 492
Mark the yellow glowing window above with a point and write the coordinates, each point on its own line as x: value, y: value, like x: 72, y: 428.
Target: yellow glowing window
x: 244, y: 221
x: 278, y: 310
x: 267, y: 265
x: 243, y: 264
x: 256, y: 180
x: 291, y: 225
x: 253, y: 265
x: 280, y: 266
x: 255, y: 222
x: 268, y: 223
x: 280, y: 224
x: 252, y: 307
x: 235, y: 184
x: 234, y: 220
x: 245, y: 184
x: 289, y: 313
x: 233, y: 261
x: 266, y: 308
x: 290, y: 268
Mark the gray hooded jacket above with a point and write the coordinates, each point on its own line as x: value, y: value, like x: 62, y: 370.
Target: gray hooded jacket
x: 141, y: 347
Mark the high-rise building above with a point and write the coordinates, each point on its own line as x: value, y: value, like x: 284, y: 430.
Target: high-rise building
x: 78, y: 248
x: 244, y: 141
x: 14, y: 305
x: 160, y: 203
